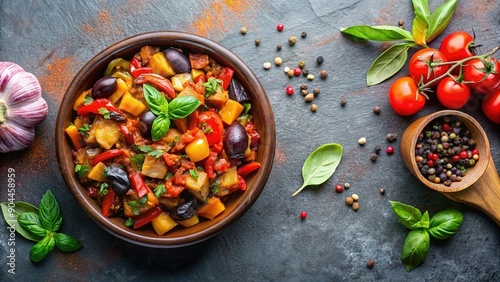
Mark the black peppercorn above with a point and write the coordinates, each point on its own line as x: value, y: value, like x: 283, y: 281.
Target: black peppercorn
x: 320, y: 60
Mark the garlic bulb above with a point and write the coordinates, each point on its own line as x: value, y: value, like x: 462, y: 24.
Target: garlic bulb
x: 21, y: 107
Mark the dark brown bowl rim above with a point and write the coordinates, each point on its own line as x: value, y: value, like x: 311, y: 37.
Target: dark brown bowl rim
x: 188, y: 41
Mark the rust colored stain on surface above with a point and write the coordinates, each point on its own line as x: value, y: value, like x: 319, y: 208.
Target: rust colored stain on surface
x: 102, y: 25
x: 58, y: 75
x: 279, y: 155
x: 221, y: 16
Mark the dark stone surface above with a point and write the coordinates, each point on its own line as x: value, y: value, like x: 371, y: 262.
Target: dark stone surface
x: 53, y: 40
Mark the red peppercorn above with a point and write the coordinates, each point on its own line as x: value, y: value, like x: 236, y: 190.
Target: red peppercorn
x: 280, y: 27
x: 455, y: 158
x: 475, y: 152
x: 289, y: 90
x: 297, y: 71
x: 445, y: 127
x: 303, y: 215
x: 389, y: 150
x: 339, y: 188
x: 464, y: 154
x: 430, y: 163
x: 434, y: 157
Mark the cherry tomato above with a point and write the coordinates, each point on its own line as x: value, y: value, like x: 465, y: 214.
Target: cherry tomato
x: 491, y: 106
x: 476, y: 70
x: 452, y: 94
x: 457, y: 46
x: 404, y: 97
x: 211, y: 123
x: 422, y: 65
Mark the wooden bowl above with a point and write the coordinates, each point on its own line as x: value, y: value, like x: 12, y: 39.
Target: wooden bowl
x: 480, y: 187
x: 236, y: 205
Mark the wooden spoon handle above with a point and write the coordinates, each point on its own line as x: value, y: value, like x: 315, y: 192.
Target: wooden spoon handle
x: 484, y: 194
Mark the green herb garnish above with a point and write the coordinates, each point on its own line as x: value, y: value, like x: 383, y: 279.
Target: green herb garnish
x: 84, y: 129
x: 81, y: 169
x: 136, y: 204
x: 211, y: 86
x: 104, y: 112
x: 160, y: 190
x: 103, y: 189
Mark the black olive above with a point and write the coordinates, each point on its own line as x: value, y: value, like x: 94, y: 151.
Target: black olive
x: 145, y: 123
x: 118, y: 179
x: 177, y: 60
x: 104, y: 87
x: 236, y: 141
x: 237, y: 92
x: 186, y: 210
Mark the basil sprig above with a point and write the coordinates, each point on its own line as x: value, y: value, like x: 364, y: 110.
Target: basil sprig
x: 179, y: 107
x: 426, y: 27
x: 40, y: 225
x: 441, y: 226
x: 320, y: 165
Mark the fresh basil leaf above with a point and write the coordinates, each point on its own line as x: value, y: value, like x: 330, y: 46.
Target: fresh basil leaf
x: 421, y: 9
x: 420, y: 21
x: 156, y: 101
x: 378, y: 32
x: 388, y: 63
x: 409, y: 216
x: 415, y: 248
x: 181, y: 107
x: 11, y: 212
x: 445, y: 223
x: 49, y: 212
x: 440, y: 18
x: 67, y: 243
x: 159, y: 127
x: 42, y: 249
x: 31, y: 222
x: 320, y: 165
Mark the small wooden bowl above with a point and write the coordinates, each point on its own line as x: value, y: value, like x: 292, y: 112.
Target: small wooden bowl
x: 480, y: 187
x: 237, y: 203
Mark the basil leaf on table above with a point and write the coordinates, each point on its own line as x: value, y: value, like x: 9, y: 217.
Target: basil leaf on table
x: 445, y: 223
x: 42, y: 248
x: 388, y: 63
x: 415, y: 248
x: 183, y: 106
x: 420, y: 21
x: 31, y: 222
x: 49, y: 212
x: 157, y: 103
x: 66, y: 243
x: 378, y: 33
x: 440, y: 18
x: 11, y: 214
x: 320, y: 165
x: 409, y: 216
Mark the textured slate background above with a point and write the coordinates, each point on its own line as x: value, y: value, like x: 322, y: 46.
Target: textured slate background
x: 54, y: 39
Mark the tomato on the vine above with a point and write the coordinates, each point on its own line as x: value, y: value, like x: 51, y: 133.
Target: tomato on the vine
x: 491, y: 106
x: 484, y: 74
x: 404, y: 96
x: 457, y: 46
x: 422, y: 65
x: 452, y: 94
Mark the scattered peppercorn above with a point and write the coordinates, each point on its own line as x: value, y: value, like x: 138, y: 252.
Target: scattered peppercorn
x: 310, y: 77
x: 376, y: 110
x: 257, y: 42
x: 309, y: 97
x: 304, y: 92
x: 382, y: 191
x: 301, y: 64
x: 389, y: 150
x: 286, y: 69
x: 278, y: 61
x: 343, y: 102
x: 305, y: 72
x: 266, y: 65
x: 349, y: 201
x: 355, y: 206
x: 303, y: 34
x: 303, y: 214
x: 303, y: 86
x: 320, y: 60
x: 347, y: 185
x: 355, y: 197
x: 362, y: 141
x: 401, y: 23
x: 289, y: 90
x: 339, y: 188
x: 323, y: 74
x: 377, y: 149
x: 316, y: 91
x: 278, y: 47
x: 373, y: 157
x: 280, y: 27
x: 391, y: 137
x: 297, y: 71
x: 243, y: 30
x: 292, y: 40
x: 370, y: 263
x: 290, y: 73
x: 314, y: 108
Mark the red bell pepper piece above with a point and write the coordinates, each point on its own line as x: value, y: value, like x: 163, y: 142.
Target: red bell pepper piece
x: 97, y: 104
x: 142, y: 70
x: 107, y: 202
x: 129, y: 137
x: 242, y: 183
x: 107, y: 155
x: 146, y: 217
x: 246, y: 169
x: 200, y: 79
x: 159, y: 82
x: 138, y: 184
x: 226, y: 75
x: 173, y: 190
x: 212, y: 121
x: 134, y: 64
x: 193, y: 120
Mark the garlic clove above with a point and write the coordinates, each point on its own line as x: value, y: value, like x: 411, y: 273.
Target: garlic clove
x: 15, y: 137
